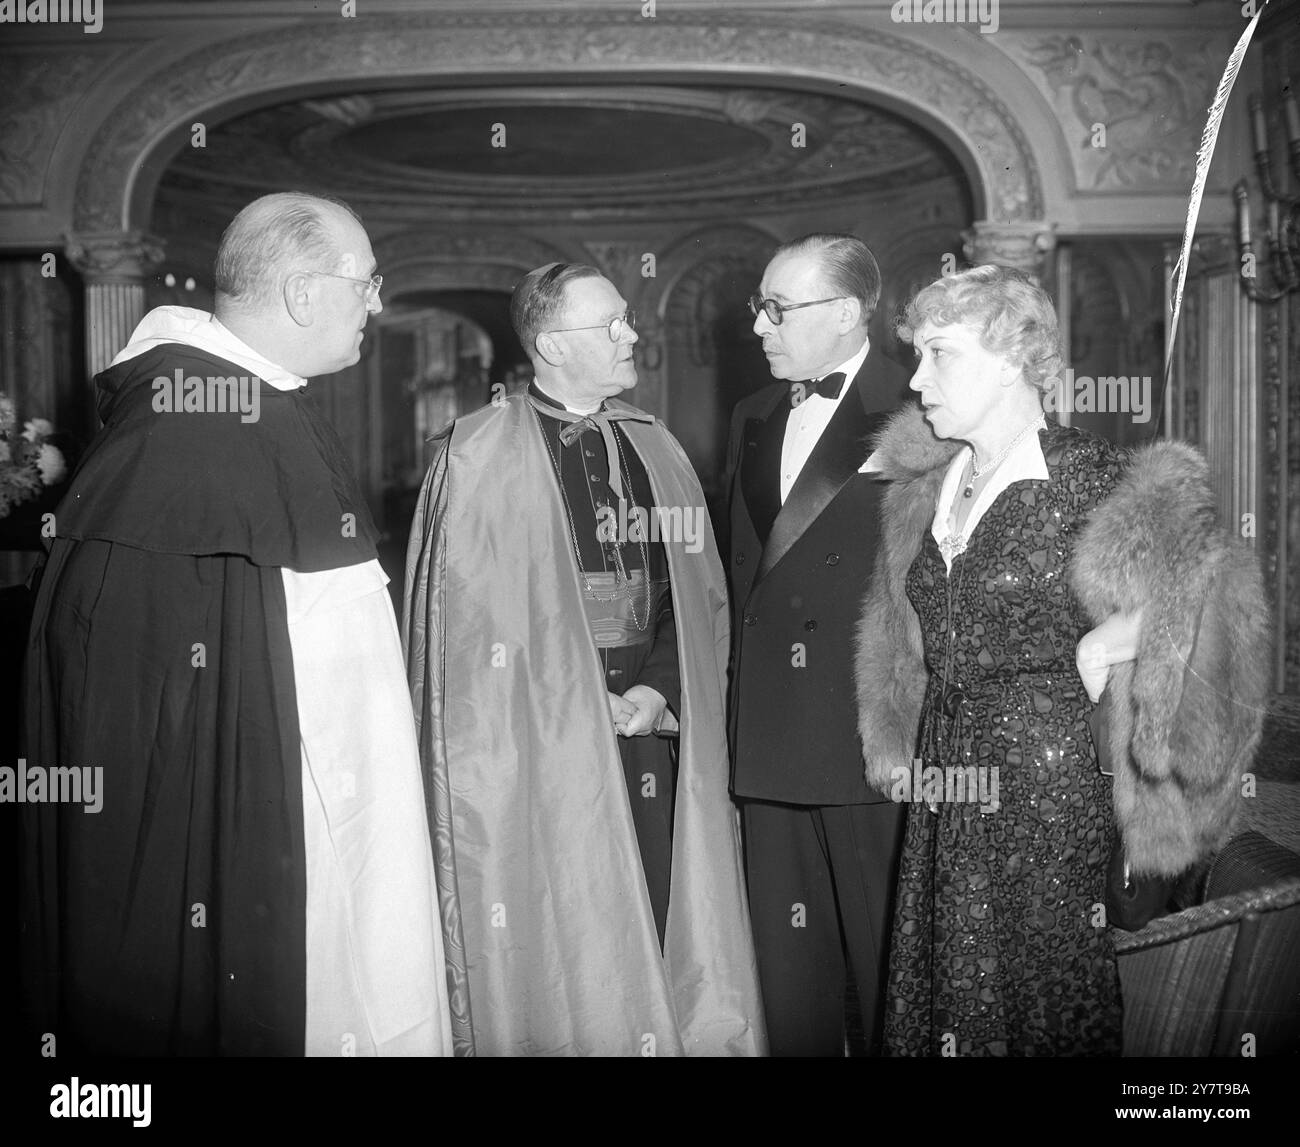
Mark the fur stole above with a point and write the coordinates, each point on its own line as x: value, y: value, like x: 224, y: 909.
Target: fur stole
x: 1185, y: 715
x: 889, y: 663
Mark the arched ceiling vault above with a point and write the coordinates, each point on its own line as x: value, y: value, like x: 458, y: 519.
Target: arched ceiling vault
x: 872, y: 101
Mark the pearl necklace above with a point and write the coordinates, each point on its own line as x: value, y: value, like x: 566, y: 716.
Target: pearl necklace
x: 977, y: 472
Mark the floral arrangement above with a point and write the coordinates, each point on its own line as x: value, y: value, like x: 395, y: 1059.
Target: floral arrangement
x: 28, y: 463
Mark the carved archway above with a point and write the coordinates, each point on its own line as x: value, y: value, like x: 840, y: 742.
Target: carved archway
x: 906, y: 266
x: 119, y: 174
x: 431, y: 259
x: 437, y: 261
x: 680, y: 261
x: 712, y: 358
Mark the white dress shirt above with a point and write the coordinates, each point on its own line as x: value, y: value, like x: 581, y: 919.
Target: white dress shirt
x: 809, y: 419
x: 1024, y: 462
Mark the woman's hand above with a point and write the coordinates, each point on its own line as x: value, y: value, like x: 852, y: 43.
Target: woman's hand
x: 1113, y: 641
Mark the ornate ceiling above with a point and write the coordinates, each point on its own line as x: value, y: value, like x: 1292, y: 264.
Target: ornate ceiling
x: 560, y: 153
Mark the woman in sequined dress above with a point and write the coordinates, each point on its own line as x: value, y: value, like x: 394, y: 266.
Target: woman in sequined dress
x: 1000, y: 946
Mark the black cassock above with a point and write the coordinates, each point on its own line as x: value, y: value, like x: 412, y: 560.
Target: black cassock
x: 172, y: 922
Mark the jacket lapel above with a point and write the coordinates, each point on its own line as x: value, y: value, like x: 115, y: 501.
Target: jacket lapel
x: 760, y: 462
x: 839, y: 452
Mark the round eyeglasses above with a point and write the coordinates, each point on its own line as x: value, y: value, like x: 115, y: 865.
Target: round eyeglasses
x: 776, y: 311
x: 372, y: 284
x: 614, y: 326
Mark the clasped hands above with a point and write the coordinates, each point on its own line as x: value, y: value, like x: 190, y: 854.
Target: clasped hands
x: 640, y: 711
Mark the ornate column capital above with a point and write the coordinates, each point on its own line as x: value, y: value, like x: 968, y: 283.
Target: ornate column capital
x: 114, y: 256
x: 115, y: 266
x: 1024, y: 246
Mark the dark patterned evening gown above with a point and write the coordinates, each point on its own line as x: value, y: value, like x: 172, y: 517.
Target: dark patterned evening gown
x: 1000, y: 947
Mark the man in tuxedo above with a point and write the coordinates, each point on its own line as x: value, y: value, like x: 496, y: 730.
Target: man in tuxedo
x: 820, y: 847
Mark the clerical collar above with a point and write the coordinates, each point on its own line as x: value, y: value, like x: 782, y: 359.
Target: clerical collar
x: 538, y: 393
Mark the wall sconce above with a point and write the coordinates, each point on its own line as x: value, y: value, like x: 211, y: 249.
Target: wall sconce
x: 1282, y: 211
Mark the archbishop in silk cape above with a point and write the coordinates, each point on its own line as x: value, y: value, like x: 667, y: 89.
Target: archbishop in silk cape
x: 550, y: 939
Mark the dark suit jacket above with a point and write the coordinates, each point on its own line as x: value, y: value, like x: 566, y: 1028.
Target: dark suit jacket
x: 798, y: 574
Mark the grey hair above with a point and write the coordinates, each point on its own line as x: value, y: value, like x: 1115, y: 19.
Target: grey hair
x: 538, y: 300
x: 272, y: 237
x: 1012, y: 313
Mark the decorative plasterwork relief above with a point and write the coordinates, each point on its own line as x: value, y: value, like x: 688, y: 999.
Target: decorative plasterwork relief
x: 115, y: 256
x: 1020, y: 245
x: 410, y: 146
x: 432, y: 257
x: 415, y: 45
x: 1131, y: 108
x: 696, y: 306
x: 682, y: 260
x: 697, y: 265
x: 41, y: 89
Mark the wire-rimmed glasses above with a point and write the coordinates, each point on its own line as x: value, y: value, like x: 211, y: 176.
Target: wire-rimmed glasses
x: 614, y: 326
x: 371, y: 284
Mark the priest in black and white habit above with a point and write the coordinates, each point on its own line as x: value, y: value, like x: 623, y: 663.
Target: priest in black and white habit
x: 566, y: 630
x: 212, y: 628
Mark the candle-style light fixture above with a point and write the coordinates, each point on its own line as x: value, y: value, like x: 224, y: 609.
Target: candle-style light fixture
x: 1281, y: 211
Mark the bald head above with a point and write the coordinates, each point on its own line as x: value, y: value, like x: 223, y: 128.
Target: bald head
x: 273, y: 237
x: 294, y: 280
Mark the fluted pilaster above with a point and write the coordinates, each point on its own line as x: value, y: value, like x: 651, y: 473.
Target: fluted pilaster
x: 115, y: 266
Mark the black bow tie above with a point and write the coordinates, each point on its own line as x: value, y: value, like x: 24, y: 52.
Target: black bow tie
x: 828, y: 387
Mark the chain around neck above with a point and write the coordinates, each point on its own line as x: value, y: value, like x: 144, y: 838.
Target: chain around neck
x: 977, y: 471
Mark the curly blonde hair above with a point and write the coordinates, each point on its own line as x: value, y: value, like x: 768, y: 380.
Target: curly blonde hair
x: 1013, y: 314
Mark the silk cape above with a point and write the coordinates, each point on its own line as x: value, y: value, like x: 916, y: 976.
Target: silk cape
x: 550, y: 940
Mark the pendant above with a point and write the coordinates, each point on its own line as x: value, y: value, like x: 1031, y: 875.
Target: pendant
x: 968, y: 491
